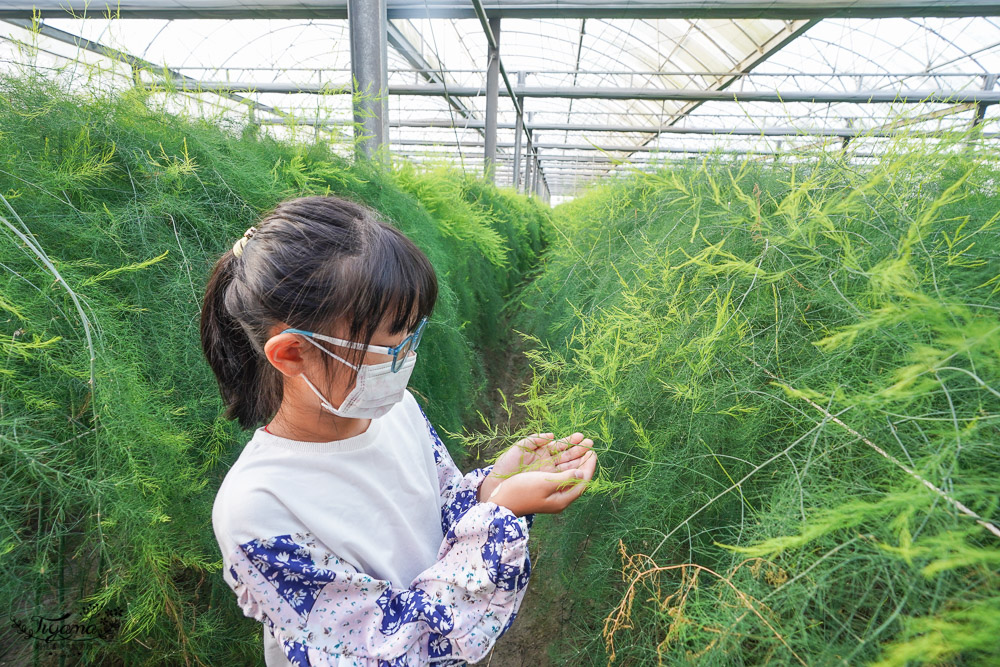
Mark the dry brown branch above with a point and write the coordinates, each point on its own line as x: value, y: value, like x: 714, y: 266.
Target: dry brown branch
x: 637, y: 567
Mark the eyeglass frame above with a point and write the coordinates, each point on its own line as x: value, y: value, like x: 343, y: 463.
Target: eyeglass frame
x: 416, y: 335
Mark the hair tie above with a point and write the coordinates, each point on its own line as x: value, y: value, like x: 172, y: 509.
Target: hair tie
x: 242, y: 241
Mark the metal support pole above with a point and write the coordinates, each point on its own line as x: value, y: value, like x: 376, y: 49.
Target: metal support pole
x: 980, y: 114
x: 367, y: 24
x: 527, y: 170
x: 989, y: 82
x: 492, y: 97
x: 527, y: 156
x: 529, y: 179
x: 518, y: 131
x: 535, y: 139
x: 538, y: 175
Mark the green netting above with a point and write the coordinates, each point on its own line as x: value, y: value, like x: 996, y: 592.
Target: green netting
x: 111, y: 440
x: 773, y: 358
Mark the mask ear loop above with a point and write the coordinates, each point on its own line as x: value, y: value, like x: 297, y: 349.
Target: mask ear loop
x: 323, y: 402
x: 340, y: 359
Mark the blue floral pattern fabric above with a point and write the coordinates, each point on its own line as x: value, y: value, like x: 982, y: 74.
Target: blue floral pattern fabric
x: 410, y: 607
x: 458, y: 493
x: 324, y: 611
x: 286, y: 564
x: 502, y: 531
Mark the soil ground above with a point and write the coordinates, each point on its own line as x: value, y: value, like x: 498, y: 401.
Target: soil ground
x: 526, y: 643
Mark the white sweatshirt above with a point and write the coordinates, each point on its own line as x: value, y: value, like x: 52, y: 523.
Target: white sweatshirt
x: 371, y: 551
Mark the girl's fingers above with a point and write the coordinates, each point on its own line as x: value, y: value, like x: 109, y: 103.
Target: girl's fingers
x: 563, y: 443
x: 546, y: 453
x: 574, y: 458
x: 557, y: 446
x: 575, y: 492
x: 562, y: 481
x: 573, y: 453
x: 533, y: 441
x: 589, y: 465
x: 569, y: 492
x: 527, y: 442
x: 587, y: 462
x: 576, y: 451
x: 574, y: 439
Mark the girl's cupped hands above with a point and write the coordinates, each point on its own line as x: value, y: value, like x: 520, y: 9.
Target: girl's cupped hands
x: 541, y: 452
x: 539, y: 474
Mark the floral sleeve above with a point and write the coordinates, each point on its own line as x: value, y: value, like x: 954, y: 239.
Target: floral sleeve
x: 458, y: 492
x: 323, y: 611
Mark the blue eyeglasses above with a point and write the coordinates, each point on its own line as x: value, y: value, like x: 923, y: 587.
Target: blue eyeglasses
x: 398, y: 352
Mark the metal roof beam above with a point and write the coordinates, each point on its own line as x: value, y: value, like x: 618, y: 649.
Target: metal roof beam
x: 907, y: 121
x: 594, y: 160
x: 418, y: 61
x: 134, y: 62
x: 608, y: 9
x: 552, y: 146
x: 764, y: 51
x: 583, y: 92
x: 878, y: 133
x: 603, y: 72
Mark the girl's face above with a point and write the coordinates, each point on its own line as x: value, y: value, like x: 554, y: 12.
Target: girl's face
x: 340, y: 377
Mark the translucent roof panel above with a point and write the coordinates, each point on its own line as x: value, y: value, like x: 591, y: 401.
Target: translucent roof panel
x: 735, y: 55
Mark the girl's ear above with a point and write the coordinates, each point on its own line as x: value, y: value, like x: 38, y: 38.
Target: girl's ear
x: 284, y: 352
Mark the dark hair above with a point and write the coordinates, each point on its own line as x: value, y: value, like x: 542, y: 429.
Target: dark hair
x: 313, y: 262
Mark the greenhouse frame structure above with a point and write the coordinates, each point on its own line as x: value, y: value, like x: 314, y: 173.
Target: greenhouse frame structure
x: 549, y: 96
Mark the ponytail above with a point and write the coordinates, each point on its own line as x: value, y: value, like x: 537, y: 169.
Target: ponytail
x: 250, y: 386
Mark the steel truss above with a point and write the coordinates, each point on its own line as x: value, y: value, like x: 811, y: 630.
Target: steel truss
x: 373, y: 28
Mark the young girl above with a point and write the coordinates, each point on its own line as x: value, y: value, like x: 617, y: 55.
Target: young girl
x: 345, y: 527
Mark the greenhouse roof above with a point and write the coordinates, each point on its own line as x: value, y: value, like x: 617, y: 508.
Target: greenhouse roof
x: 602, y: 83
x: 515, y: 8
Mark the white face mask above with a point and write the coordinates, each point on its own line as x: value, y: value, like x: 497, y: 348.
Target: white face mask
x: 375, y: 391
